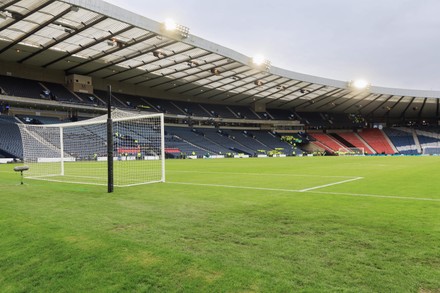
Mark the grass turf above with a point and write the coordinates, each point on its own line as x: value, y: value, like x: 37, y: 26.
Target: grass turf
x: 355, y: 224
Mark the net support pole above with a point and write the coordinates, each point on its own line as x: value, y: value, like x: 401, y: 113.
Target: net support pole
x: 109, y: 141
x: 62, y: 150
x: 162, y: 145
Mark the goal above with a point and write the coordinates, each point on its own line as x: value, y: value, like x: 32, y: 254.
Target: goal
x: 431, y: 150
x: 77, y: 152
x: 351, y: 152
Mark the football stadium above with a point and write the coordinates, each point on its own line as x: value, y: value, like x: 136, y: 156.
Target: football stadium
x: 138, y: 157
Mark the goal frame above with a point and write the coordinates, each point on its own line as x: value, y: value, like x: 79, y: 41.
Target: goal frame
x: 349, y: 151
x: 431, y: 147
x: 25, y: 129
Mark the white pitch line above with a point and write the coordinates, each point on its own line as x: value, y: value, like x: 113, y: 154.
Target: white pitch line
x: 233, y: 186
x: 260, y: 174
x: 380, y: 196
x: 320, y: 192
x: 330, y: 184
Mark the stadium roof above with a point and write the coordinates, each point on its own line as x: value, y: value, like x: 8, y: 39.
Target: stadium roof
x: 95, y: 38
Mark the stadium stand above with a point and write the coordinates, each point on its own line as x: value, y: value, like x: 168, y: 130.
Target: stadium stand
x: 313, y: 119
x: 91, y: 99
x: 116, y: 102
x: 197, y: 138
x: 378, y: 141
x: 191, y: 109
x: 187, y: 139
x: 223, y: 138
x: 328, y: 142
x: 273, y: 141
x: 10, y: 138
x: 247, y: 139
x: 21, y: 87
x: 281, y: 114
x: 244, y: 112
x: 30, y: 119
x: 402, y: 140
x: 58, y: 92
x: 356, y: 141
x: 164, y: 106
x: 220, y: 111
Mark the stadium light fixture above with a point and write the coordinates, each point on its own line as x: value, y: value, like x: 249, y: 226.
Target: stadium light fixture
x: 259, y: 61
x: 170, y: 24
x: 171, y: 29
x: 359, y: 84
x: 215, y: 71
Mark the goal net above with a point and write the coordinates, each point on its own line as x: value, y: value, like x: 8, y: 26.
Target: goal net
x: 431, y: 150
x: 77, y: 152
x: 351, y: 152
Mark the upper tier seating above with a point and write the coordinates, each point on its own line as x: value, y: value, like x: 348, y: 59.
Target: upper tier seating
x: 60, y: 93
x: 244, y: 112
x: 281, y: 114
x: 191, y: 109
x: 21, y: 87
x: 164, y: 106
x: 116, y: 102
x: 220, y: 111
x: 91, y: 99
x: 312, y: 119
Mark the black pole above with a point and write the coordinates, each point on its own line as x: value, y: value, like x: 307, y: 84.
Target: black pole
x: 109, y: 141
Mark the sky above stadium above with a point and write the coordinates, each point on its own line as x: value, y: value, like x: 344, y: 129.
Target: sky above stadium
x: 390, y: 43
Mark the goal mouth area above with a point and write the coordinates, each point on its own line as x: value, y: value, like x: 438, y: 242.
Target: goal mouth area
x: 79, y: 152
x: 351, y: 152
x: 430, y: 150
x: 80, y: 180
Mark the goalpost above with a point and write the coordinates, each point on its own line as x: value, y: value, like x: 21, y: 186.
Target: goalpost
x: 431, y: 150
x: 77, y: 152
x: 351, y: 151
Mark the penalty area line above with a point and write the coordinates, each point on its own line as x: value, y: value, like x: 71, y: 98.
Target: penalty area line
x: 330, y: 184
x: 233, y: 186
x: 379, y: 196
x: 309, y: 191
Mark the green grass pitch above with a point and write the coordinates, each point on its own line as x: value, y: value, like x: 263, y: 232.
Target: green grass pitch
x: 309, y: 224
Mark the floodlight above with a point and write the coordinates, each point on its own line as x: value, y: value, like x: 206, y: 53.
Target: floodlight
x: 171, y: 28
x: 5, y: 14
x: 359, y: 84
x: 259, y: 61
x: 159, y: 54
x: 215, y: 71
x: 170, y: 24
x: 258, y: 82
